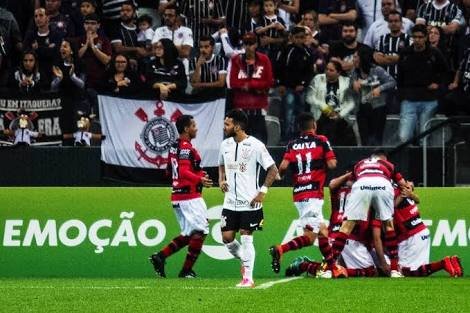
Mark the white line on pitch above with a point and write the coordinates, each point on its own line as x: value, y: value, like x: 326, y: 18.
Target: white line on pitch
x: 269, y: 284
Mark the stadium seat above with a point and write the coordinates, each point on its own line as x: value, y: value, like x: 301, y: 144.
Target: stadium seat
x: 274, y: 130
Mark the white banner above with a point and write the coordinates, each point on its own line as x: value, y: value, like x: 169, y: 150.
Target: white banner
x: 139, y: 133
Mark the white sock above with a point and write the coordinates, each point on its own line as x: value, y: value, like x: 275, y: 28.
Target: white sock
x: 234, y: 248
x: 249, y: 253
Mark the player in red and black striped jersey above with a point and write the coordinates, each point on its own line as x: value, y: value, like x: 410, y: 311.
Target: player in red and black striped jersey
x: 355, y: 255
x: 309, y: 157
x: 190, y: 209
x: 413, y: 237
x: 372, y: 187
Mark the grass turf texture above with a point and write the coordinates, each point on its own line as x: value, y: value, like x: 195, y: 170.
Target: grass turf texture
x: 434, y: 294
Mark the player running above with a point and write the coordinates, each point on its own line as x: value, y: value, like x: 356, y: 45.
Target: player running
x: 240, y: 158
x: 190, y: 209
x: 309, y: 156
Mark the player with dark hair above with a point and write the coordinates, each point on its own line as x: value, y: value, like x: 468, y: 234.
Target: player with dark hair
x: 190, y: 209
x: 240, y: 159
x: 308, y: 156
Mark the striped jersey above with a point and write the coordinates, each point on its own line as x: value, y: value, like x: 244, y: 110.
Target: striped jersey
x: 236, y: 12
x: 391, y: 45
x: 126, y: 35
x: 112, y: 8
x: 406, y: 218
x: 307, y: 156
x: 196, y: 10
x: 439, y: 15
x: 211, y: 69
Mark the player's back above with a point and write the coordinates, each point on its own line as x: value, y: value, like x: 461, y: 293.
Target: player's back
x: 307, y: 156
x: 374, y: 167
x: 406, y: 218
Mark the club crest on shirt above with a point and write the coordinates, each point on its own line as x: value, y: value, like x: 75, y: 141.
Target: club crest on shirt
x: 242, y: 166
x: 245, y: 154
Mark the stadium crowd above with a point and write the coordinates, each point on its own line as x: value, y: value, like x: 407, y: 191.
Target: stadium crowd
x: 337, y: 59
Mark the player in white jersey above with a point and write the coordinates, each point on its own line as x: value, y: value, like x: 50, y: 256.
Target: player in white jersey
x: 240, y: 159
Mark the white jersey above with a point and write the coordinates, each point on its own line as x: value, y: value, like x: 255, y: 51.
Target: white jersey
x: 82, y: 137
x: 181, y: 36
x: 242, y: 162
x: 24, y: 135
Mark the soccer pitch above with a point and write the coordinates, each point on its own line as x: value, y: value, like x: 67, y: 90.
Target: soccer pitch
x: 433, y: 294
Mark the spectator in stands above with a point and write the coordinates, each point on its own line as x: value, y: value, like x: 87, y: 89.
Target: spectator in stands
x: 368, y: 13
x: 447, y: 16
x: 458, y: 101
x: 371, y: 83
x: 11, y: 38
x: 434, y: 38
x: 121, y: 79
x: 181, y: 36
x: 146, y: 32
x: 410, y: 8
x: 381, y: 26
x: 111, y: 15
x: 315, y: 38
x: 295, y: 58
x: 236, y: 13
x: 67, y: 72
x: 95, y: 51
x: 288, y: 10
x: 124, y: 40
x: 58, y: 22
x: 334, y: 13
x: 343, y: 51
x: 271, y: 30
x: 87, y: 7
x: 208, y: 71
x: 421, y: 70
x: 204, y: 17
x: 69, y: 80
x: 43, y: 40
x: 255, y: 15
x: 231, y: 41
x: 387, y: 52
x: 27, y: 79
x: 166, y: 73
x: 250, y: 76
x: 331, y: 101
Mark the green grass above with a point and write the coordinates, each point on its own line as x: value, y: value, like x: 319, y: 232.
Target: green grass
x: 432, y: 294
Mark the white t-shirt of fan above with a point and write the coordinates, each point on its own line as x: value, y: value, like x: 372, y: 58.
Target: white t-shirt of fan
x: 24, y: 135
x: 243, y: 161
x: 82, y: 137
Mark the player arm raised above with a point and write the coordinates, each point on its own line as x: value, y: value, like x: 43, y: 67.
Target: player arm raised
x: 337, y: 182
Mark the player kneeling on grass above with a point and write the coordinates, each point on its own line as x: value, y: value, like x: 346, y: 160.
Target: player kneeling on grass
x: 414, y: 243
x: 308, y: 156
x: 372, y: 187
x: 190, y: 209
x: 240, y: 158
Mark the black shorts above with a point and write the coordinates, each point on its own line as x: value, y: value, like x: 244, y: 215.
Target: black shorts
x: 247, y: 220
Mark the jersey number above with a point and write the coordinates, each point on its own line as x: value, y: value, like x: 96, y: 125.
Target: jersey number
x: 308, y: 161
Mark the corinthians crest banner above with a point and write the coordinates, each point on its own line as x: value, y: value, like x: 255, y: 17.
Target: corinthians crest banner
x: 139, y: 133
